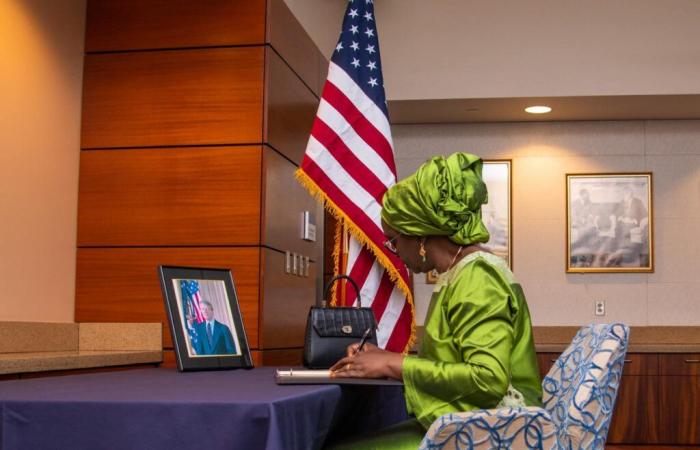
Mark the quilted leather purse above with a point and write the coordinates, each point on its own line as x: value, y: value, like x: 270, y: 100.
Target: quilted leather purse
x: 329, y: 330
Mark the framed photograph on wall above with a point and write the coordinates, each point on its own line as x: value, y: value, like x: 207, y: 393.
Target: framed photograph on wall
x: 496, y: 214
x: 205, y: 319
x: 609, y: 222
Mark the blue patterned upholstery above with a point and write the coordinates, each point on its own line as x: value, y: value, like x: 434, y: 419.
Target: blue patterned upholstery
x: 579, y: 398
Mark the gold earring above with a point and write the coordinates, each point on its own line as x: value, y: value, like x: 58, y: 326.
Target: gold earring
x: 421, y: 250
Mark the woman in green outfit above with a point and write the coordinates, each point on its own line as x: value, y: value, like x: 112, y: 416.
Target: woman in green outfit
x: 477, y: 348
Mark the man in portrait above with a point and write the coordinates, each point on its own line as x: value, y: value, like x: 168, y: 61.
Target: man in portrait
x: 211, y: 336
x: 584, y: 229
x: 632, y: 218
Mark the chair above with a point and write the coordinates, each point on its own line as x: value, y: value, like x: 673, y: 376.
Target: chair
x: 578, y: 396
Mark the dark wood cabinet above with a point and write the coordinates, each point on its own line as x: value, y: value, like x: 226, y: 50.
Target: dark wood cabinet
x: 679, y: 419
x: 679, y: 398
x: 658, y: 401
x: 545, y: 362
x: 635, y: 417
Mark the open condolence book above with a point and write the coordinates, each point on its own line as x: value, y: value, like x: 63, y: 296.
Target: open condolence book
x: 307, y: 376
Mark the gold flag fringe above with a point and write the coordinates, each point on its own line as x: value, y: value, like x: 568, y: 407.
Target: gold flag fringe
x: 337, y: 245
x: 357, y: 233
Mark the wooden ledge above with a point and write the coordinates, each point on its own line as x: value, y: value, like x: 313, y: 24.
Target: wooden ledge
x: 38, y: 347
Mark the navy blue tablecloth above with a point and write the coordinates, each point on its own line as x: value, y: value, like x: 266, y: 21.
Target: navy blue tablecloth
x: 165, y: 409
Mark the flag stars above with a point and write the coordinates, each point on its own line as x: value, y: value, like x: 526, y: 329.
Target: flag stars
x: 369, y: 33
x: 372, y: 65
x: 368, y: 16
x: 355, y: 46
x: 355, y: 62
x: 354, y: 30
x: 372, y: 82
x: 370, y: 49
x: 353, y: 13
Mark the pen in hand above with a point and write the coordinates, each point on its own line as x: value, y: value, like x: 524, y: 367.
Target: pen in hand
x: 368, y: 332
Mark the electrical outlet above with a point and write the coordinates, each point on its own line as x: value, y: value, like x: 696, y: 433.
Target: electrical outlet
x: 600, y: 307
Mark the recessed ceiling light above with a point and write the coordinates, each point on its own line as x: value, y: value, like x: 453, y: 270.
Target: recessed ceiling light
x: 538, y: 109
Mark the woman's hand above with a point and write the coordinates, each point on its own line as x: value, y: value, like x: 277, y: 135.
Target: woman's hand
x: 371, y: 362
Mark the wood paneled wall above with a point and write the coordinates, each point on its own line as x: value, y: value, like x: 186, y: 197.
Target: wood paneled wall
x: 121, y: 284
x: 170, y: 196
x: 183, y: 105
x: 117, y: 25
x: 174, y: 97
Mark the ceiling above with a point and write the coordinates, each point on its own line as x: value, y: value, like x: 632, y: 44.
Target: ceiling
x: 484, y: 61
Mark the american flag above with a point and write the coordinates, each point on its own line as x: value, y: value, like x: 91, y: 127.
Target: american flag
x: 349, y: 165
x: 191, y: 300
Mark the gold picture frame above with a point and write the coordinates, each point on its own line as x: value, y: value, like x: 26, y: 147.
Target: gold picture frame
x: 609, y: 222
x: 497, y: 213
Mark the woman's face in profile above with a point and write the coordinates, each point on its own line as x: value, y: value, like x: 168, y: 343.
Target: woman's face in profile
x: 407, y: 248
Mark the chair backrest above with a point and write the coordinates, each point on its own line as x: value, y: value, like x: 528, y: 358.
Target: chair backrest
x: 580, y: 389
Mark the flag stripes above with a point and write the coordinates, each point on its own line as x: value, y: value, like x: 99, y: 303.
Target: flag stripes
x: 349, y: 164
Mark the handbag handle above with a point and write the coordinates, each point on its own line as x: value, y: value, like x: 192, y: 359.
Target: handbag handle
x: 339, y: 277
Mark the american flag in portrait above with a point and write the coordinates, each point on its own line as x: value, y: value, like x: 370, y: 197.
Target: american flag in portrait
x: 349, y: 165
x: 191, y: 306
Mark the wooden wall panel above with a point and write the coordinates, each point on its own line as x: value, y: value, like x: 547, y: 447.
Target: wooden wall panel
x: 286, y: 357
x: 183, y: 196
x: 284, y: 202
x: 290, y: 109
x: 290, y: 40
x: 122, y: 285
x: 287, y: 299
x: 138, y: 24
x: 170, y: 98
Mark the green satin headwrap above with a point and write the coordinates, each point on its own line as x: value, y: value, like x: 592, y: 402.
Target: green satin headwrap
x: 443, y: 198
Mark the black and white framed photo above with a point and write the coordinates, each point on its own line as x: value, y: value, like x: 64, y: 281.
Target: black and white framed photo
x: 609, y: 222
x: 496, y: 214
x: 205, y: 319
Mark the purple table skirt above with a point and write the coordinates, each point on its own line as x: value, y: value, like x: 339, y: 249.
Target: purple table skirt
x: 164, y: 409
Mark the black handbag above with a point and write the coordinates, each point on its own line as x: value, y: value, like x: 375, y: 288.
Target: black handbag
x: 329, y: 331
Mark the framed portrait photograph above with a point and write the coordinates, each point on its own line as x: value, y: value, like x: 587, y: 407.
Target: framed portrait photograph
x: 496, y: 214
x: 609, y: 223
x: 205, y: 319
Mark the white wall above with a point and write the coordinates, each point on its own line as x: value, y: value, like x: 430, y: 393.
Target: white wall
x: 41, y: 63
x: 512, y: 48
x: 542, y: 154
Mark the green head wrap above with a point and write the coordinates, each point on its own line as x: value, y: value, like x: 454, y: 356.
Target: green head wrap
x: 443, y: 198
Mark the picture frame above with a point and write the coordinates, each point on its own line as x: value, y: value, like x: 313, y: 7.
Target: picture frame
x: 204, y: 317
x: 497, y: 213
x: 609, y: 222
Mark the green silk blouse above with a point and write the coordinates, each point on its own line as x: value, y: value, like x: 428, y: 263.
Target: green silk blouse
x: 477, y: 341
